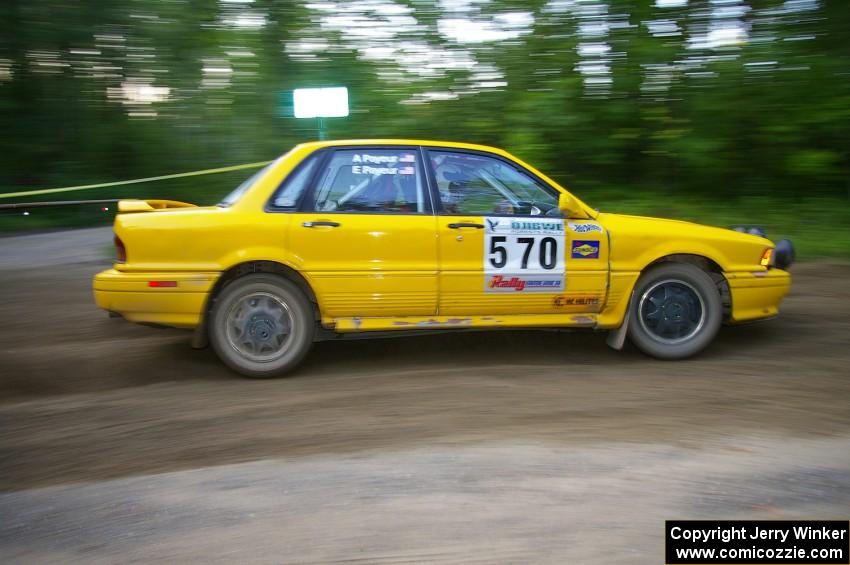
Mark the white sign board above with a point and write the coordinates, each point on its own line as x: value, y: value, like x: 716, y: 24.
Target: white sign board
x: 320, y: 102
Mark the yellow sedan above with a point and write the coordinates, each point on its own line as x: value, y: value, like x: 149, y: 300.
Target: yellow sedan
x: 395, y: 235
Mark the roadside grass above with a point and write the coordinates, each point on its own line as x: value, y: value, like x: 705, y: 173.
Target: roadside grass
x: 819, y: 227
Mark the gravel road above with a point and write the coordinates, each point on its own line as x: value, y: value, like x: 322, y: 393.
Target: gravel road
x: 120, y: 443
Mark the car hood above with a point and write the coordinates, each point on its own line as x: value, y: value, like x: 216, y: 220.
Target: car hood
x: 691, y: 228
x: 637, y: 241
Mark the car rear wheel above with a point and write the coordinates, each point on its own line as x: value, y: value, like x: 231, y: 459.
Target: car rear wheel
x: 261, y: 325
x: 675, y: 312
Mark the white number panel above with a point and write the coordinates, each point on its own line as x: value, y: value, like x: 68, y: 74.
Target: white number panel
x: 523, y: 255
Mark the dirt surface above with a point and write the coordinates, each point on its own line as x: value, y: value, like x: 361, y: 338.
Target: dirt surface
x: 120, y: 443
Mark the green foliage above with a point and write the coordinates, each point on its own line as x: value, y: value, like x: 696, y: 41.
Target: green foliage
x: 819, y: 227
x: 813, y: 162
x: 764, y: 117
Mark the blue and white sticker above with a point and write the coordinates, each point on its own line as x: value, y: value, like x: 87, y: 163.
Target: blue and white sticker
x: 585, y: 227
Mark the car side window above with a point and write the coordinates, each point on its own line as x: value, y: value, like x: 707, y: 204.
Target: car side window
x: 384, y: 181
x: 293, y: 186
x: 476, y: 185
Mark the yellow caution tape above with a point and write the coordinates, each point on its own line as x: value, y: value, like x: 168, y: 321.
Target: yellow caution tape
x: 136, y: 181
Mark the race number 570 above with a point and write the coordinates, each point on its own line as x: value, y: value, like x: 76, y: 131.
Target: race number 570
x: 523, y: 255
x: 530, y: 252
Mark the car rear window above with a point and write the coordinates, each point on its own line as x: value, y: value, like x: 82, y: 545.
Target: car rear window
x: 237, y: 193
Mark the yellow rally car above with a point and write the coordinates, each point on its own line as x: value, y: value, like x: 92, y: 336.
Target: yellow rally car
x: 398, y: 235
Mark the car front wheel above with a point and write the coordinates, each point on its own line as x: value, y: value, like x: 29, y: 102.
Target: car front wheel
x: 261, y: 325
x: 675, y: 311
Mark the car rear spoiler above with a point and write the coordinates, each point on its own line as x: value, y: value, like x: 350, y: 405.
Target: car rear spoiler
x: 128, y: 206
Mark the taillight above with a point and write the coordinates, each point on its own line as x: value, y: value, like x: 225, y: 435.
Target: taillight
x: 120, y: 252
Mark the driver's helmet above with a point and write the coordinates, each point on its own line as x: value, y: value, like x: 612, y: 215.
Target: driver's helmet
x: 453, y: 185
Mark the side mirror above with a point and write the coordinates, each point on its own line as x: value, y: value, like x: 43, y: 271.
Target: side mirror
x: 568, y: 205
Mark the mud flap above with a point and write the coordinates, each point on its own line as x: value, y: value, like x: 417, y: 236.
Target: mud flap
x: 617, y: 338
x: 200, y: 339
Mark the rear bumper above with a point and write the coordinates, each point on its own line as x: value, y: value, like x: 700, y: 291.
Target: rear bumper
x: 757, y: 295
x: 130, y: 295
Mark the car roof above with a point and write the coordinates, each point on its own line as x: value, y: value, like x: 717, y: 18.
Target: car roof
x: 426, y: 142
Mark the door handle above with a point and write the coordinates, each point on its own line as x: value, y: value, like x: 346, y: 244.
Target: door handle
x: 321, y: 224
x: 466, y: 225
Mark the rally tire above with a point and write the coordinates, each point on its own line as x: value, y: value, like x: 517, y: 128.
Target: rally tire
x: 675, y: 311
x: 261, y: 325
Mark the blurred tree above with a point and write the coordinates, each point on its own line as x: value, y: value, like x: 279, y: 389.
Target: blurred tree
x: 732, y: 98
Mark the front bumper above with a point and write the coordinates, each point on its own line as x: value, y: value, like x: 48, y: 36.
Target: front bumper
x: 130, y: 295
x: 757, y: 294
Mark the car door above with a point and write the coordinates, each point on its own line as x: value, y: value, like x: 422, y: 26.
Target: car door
x: 365, y: 234
x: 503, y: 243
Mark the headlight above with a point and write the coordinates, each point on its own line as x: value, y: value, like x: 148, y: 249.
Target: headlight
x: 783, y: 254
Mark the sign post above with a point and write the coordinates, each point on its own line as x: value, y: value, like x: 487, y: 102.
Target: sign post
x: 320, y: 103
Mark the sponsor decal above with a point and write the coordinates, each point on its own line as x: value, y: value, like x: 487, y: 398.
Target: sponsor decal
x: 524, y: 226
x: 576, y: 300
x: 585, y: 249
x: 585, y: 227
x: 547, y: 227
x: 500, y: 283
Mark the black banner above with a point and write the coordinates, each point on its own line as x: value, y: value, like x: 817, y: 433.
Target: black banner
x: 760, y: 542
